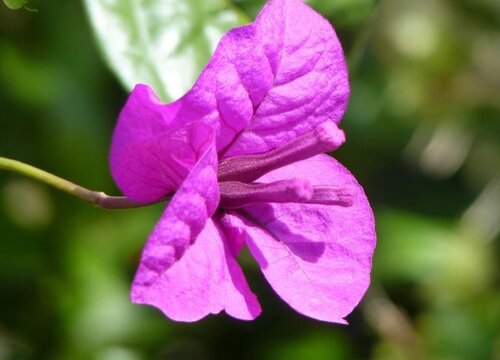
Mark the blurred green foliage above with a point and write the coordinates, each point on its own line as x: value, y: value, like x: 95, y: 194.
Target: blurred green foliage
x: 423, y: 138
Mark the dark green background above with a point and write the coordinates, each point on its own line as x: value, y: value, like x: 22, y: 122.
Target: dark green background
x: 423, y: 132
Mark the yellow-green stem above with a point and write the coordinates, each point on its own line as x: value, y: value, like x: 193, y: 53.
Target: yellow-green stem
x: 96, y: 198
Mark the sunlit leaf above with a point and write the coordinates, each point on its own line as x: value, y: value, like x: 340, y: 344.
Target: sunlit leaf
x: 15, y: 4
x: 163, y: 43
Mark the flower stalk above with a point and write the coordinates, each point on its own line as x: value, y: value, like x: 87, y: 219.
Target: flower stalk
x: 96, y: 198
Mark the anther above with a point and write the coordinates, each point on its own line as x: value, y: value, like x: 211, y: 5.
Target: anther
x: 324, y: 138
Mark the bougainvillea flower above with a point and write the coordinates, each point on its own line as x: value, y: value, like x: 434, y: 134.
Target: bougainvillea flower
x: 241, y: 156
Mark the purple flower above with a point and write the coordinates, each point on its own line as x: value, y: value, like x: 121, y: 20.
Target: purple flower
x: 243, y: 152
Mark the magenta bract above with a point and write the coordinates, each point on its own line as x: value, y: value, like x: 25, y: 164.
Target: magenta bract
x: 241, y: 154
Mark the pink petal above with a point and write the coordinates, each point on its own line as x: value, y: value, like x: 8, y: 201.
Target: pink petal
x: 316, y: 257
x: 310, y: 82
x: 266, y: 83
x: 186, y: 269
x: 150, y: 158
x: 185, y: 216
x: 205, y: 280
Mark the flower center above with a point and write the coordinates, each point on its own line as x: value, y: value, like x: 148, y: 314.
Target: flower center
x: 236, y: 174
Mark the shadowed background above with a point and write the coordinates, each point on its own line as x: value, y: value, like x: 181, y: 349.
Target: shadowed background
x: 423, y: 138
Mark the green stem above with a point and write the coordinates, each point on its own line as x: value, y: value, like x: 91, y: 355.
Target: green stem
x: 96, y: 198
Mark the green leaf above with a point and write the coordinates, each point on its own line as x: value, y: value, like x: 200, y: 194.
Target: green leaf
x: 15, y: 4
x: 163, y: 43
